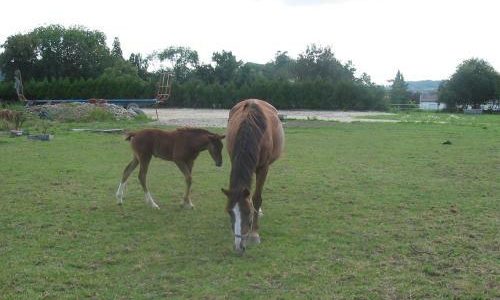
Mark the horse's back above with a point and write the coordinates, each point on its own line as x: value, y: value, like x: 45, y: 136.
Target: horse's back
x: 180, y: 144
x: 272, y: 139
x: 149, y: 142
x: 146, y: 136
x: 239, y: 107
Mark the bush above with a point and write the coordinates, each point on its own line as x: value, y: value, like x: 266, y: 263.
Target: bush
x: 310, y: 94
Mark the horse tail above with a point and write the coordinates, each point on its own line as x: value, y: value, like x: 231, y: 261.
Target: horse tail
x: 129, y: 136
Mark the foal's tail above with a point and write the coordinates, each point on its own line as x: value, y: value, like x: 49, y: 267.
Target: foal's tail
x: 129, y: 136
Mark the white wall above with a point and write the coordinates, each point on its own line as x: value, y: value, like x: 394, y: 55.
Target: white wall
x: 431, y: 106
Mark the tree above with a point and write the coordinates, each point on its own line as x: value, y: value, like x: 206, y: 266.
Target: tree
x: 474, y: 82
x: 320, y: 63
x: 226, y: 66
x: 116, y: 51
x: 141, y: 64
x: 399, y: 91
x: 365, y: 79
x: 183, y: 59
x: 205, y: 73
x: 55, y: 52
x: 282, y: 66
x: 73, y: 52
x: 19, y: 54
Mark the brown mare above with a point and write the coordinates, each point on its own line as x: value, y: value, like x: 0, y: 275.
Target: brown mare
x: 181, y: 146
x: 255, y: 139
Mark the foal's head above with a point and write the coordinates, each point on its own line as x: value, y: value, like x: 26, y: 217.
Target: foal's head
x: 241, y: 211
x: 215, y: 148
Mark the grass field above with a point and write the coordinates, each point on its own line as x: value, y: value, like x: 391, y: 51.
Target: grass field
x: 361, y: 210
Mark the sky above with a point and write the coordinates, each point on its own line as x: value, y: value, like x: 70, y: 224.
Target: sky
x: 424, y: 39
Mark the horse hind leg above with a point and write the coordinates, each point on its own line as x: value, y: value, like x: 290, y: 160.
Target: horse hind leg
x: 186, y: 169
x: 260, y: 174
x: 123, y: 184
x: 143, y: 170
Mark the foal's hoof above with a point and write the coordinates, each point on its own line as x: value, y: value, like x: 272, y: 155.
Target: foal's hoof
x: 187, y: 205
x: 253, y: 239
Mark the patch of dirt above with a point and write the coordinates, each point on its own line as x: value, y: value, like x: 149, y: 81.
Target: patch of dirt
x: 218, y: 117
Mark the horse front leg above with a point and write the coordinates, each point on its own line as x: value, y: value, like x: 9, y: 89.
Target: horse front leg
x: 186, y: 169
x: 261, y: 175
x: 123, y: 183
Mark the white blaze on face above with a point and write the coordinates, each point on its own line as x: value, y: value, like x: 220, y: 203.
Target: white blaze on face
x: 237, y: 225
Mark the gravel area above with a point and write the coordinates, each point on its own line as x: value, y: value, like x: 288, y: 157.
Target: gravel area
x: 78, y: 111
x: 218, y: 117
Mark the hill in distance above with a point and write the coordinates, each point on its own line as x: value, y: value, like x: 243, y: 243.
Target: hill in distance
x: 423, y: 85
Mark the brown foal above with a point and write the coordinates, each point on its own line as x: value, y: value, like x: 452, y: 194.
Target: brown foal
x: 181, y: 146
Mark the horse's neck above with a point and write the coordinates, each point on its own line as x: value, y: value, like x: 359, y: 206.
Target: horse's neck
x: 199, y: 143
x: 245, y: 154
x: 241, y: 175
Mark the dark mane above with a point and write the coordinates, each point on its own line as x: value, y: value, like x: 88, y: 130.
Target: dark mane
x: 246, y: 148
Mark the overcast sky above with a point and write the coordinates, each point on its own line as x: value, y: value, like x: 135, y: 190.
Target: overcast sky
x: 425, y: 39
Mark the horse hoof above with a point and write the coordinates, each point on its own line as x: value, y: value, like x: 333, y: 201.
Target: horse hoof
x: 240, y: 252
x: 253, y: 239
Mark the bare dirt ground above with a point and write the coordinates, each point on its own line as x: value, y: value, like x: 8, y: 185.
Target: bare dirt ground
x: 218, y: 117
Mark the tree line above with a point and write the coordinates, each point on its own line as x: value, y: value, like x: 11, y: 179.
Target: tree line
x: 75, y: 63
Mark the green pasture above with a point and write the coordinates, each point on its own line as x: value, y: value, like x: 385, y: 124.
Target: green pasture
x: 351, y: 211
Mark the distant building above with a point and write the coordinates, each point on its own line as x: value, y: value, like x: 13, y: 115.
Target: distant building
x: 429, y: 101
x: 492, y: 105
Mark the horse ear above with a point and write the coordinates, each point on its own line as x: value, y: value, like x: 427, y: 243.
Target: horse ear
x: 246, y: 192
x: 226, y: 192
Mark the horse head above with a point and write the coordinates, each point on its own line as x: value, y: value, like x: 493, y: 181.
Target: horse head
x: 215, y: 148
x: 241, y: 211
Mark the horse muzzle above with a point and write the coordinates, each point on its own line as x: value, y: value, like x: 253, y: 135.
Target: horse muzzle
x: 239, y: 245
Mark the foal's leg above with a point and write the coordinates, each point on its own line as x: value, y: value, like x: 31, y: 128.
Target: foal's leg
x: 123, y: 184
x: 260, y: 174
x: 186, y: 168
x: 143, y: 170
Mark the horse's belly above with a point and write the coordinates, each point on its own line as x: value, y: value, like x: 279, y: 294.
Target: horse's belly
x: 165, y: 156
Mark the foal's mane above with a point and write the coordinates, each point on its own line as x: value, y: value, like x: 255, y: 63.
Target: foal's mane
x: 246, y: 146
